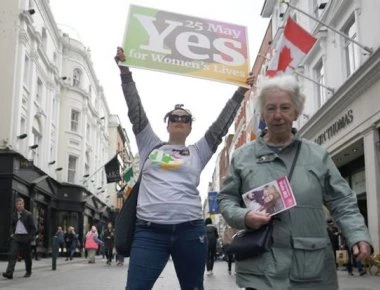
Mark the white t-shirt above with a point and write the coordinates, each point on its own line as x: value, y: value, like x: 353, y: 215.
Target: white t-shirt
x: 168, y: 190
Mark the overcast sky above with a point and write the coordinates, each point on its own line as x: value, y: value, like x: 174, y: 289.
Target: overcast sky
x: 100, y: 26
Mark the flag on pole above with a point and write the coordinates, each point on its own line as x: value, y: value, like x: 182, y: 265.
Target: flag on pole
x: 291, y: 48
x: 129, y: 180
x: 112, y: 169
x: 128, y: 174
x: 128, y: 187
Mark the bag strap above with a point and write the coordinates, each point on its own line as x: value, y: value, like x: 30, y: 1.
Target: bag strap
x: 155, y: 147
x: 294, y: 160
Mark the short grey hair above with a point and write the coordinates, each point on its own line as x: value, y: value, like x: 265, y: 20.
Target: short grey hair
x: 287, y: 83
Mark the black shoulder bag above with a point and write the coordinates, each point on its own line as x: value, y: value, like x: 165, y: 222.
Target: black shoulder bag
x: 126, y: 219
x: 249, y: 243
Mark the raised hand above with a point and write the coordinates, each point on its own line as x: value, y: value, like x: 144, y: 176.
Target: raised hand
x: 121, y: 57
x: 249, y: 81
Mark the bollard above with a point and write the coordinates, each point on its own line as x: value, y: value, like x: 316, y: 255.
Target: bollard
x: 54, y: 253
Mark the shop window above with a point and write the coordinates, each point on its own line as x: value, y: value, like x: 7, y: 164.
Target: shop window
x: 358, y: 182
x: 68, y: 219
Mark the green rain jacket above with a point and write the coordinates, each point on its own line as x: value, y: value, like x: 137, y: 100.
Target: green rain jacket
x: 301, y: 256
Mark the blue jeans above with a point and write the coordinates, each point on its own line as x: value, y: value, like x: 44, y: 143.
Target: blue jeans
x: 154, y: 243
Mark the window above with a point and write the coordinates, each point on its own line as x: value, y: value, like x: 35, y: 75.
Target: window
x: 320, y: 78
x: 26, y: 71
x: 37, y: 137
x: 23, y: 144
x: 88, y: 133
x: 318, y: 7
x: 44, y: 38
x: 77, y: 74
x: 351, y: 49
x: 74, y: 120
x: 87, y: 164
x: 52, y: 152
x: 54, y: 109
x: 39, y: 91
x: 72, y: 169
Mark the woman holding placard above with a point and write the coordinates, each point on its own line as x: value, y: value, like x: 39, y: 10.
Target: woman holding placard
x: 169, y: 220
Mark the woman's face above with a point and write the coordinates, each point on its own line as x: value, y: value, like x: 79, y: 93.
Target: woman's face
x: 279, y: 112
x: 268, y: 195
x: 179, y: 123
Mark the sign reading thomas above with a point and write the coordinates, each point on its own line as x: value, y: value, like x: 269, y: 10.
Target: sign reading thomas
x: 186, y: 45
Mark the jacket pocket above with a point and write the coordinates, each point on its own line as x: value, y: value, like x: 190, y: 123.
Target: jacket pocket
x: 308, y: 258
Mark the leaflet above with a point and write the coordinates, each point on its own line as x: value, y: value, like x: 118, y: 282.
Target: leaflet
x: 273, y: 197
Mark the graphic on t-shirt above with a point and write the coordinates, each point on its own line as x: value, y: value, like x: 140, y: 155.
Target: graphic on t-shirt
x: 165, y: 161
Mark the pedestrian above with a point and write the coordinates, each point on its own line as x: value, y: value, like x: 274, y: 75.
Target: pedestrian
x: 351, y: 258
x: 212, y: 238
x: 33, y: 246
x: 333, y: 236
x: 23, y: 232
x: 70, y: 243
x: 228, y: 233
x: 60, y: 236
x: 119, y: 260
x: 108, y: 239
x: 169, y: 221
x: 301, y: 255
x: 92, y: 244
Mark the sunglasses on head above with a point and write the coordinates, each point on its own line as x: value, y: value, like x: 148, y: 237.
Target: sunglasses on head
x: 177, y: 118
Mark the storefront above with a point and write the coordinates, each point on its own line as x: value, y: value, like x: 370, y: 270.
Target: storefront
x: 52, y: 203
x: 348, y: 127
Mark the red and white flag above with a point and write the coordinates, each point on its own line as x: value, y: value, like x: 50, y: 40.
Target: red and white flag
x: 293, y: 45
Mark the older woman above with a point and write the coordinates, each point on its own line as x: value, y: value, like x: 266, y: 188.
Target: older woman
x: 301, y: 256
x: 92, y: 243
x: 169, y: 220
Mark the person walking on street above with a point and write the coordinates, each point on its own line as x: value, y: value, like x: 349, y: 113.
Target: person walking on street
x: 333, y: 236
x: 212, y: 238
x: 70, y: 243
x: 301, y: 256
x: 228, y: 233
x: 92, y: 244
x: 169, y: 220
x: 60, y: 235
x: 108, y: 239
x: 33, y: 245
x: 23, y: 232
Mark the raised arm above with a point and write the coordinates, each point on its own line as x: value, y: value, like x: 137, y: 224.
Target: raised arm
x: 136, y: 112
x: 220, y: 127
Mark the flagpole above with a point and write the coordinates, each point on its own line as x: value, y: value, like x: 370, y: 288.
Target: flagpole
x: 303, y: 76
x: 366, y: 48
x: 310, y: 79
x: 97, y: 170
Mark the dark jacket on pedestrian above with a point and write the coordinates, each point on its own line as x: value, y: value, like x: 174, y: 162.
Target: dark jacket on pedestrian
x: 108, y: 238
x: 212, y: 233
x: 27, y: 219
x: 70, y: 240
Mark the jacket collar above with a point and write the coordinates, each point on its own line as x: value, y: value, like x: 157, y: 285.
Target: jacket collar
x: 262, y: 149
